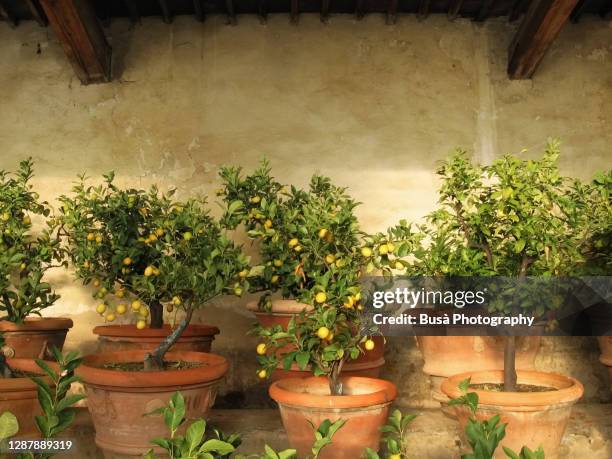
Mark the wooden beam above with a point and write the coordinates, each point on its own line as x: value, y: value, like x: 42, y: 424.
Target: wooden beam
x: 295, y: 11
x: 454, y: 9
x: 80, y: 34
x: 539, y: 28
x: 198, y: 10
x: 133, y: 10
x: 231, y: 12
x: 37, y: 12
x: 8, y: 15
x: 263, y: 11
x: 166, y: 14
x: 392, y: 12
x: 484, y: 11
x: 359, y: 9
x: 324, y: 10
x: 423, y: 10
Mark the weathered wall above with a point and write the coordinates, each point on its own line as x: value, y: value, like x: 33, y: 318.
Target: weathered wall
x: 372, y: 106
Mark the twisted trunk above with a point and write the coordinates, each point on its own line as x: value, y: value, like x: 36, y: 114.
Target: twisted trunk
x: 154, y: 361
x: 510, y: 364
x: 335, y: 386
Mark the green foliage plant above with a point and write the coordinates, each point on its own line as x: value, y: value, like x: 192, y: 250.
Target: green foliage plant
x: 394, y: 438
x: 142, y: 249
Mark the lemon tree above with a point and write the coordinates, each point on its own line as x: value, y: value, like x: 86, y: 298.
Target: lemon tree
x: 25, y: 254
x: 142, y: 250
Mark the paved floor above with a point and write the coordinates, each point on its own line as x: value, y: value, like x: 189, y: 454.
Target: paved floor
x: 432, y: 435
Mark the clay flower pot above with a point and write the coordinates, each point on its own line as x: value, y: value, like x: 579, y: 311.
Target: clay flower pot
x: 605, y: 344
x: 20, y: 397
x: 117, y: 400
x: 365, y: 407
x: 367, y: 364
x: 533, y: 418
x: 34, y: 338
x: 195, y: 338
x: 450, y: 355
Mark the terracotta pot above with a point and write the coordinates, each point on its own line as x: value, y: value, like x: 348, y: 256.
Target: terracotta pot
x: 19, y: 396
x: 534, y: 418
x: 34, y: 338
x: 281, y: 313
x: 111, y: 338
x: 117, y: 400
x: 450, y: 355
x: 605, y: 344
x: 365, y: 407
x: 367, y: 364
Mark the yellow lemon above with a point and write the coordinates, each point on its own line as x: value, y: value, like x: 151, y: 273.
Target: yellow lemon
x: 86, y: 264
x: 22, y: 266
x: 321, y: 297
x: 187, y: 235
x: 395, y: 456
x: 268, y: 224
x: 369, y: 345
x: 27, y: 220
x: 159, y: 232
x: 329, y: 258
x: 274, y: 279
x: 127, y: 261
x: 340, y: 263
x: 293, y: 242
x: 323, y: 332
x: 383, y: 249
x: 101, y: 308
x: 99, y: 239
x: 136, y: 304
x: 176, y: 300
x: 329, y: 337
x: 366, y: 252
x: 144, y: 312
x: 6, y: 216
x: 110, y: 317
x: 244, y: 273
x: 96, y: 283
x: 141, y: 324
x: 90, y: 236
x: 278, y: 263
x: 298, y: 248
x: 152, y: 237
x: 120, y: 293
x: 261, y: 348
x: 238, y: 291
x: 322, y: 232
x: 149, y: 271
x: 390, y: 247
x: 262, y: 374
x: 399, y: 265
x: 255, y: 199
x: 121, y: 309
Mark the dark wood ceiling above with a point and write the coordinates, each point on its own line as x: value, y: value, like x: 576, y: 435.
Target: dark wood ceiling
x: 18, y: 10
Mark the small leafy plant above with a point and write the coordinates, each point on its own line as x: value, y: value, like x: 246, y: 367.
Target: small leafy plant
x: 25, y: 255
x: 196, y: 444
x: 394, y: 438
x: 56, y: 402
x: 484, y: 436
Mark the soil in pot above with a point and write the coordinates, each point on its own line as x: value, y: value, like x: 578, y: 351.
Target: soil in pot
x: 118, y: 399
x: 364, y: 405
x: 34, y: 338
x: 19, y: 396
x: 450, y: 355
x: 534, y: 418
x: 195, y: 338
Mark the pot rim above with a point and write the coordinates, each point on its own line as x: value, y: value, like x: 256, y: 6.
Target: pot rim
x: 569, y: 390
x: 293, y: 392
x: 281, y: 307
x: 37, y: 324
x: 214, y: 368
x: 25, y: 383
x: 130, y: 331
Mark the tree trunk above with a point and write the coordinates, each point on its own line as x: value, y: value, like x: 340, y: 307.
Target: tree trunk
x: 155, y: 360
x: 335, y: 386
x: 157, y: 314
x: 5, y: 370
x: 510, y: 364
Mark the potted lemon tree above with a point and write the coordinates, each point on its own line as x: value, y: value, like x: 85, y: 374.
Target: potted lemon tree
x: 25, y: 257
x: 192, y: 263
x: 113, y: 237
x: 300, y: 235
x: 510, y: 219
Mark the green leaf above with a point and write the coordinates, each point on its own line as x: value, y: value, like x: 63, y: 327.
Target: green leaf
x: 519, y: 245
x: 68, y: 401
x: 194, y: 434
x: 302, y: 359
x: 216, y: 446
x: 464, y: 385
x: 8, y: 425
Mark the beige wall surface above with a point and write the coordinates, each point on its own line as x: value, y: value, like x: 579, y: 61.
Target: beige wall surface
x: 372, y: 106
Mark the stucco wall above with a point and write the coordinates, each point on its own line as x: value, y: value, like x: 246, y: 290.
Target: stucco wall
x: 372, y: 106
